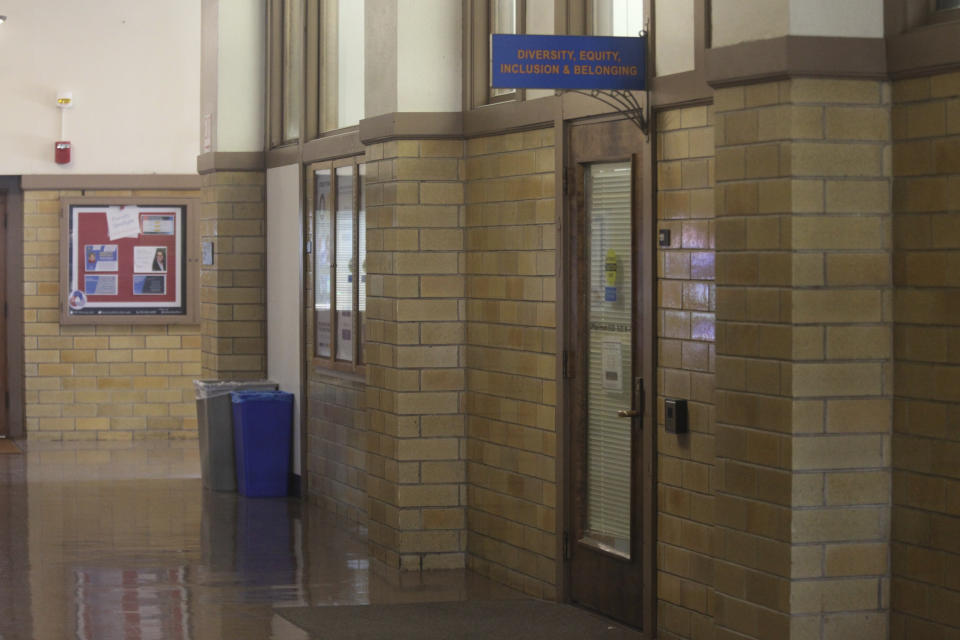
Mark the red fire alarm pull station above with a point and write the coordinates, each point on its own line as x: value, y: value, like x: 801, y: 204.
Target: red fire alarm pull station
x: 61, y: 148
x: 61, y: 152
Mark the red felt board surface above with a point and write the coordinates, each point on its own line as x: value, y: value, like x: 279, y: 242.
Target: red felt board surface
x: 91, y: 229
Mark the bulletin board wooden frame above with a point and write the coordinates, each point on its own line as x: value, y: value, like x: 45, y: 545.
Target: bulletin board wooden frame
x: 114, y: 273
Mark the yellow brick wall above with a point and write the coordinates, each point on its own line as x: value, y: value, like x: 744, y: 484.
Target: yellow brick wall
x: 233, y: 288
x: 336, y: 446
x: 686, y: 362
x: 804, y: 333
x: 414, y: 354
x: 925, y: 548
x: 511, y: 359
x: 336, y: 422
x: 98, y: 382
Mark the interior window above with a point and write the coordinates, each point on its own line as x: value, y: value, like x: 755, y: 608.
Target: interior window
x: 339, y: 264
x: 616, y: 18
x: 292, y: 67
x: 504, y: 18
x: 340, y: 94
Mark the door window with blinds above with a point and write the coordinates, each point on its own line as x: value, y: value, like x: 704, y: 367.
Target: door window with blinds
x: 609, y: 346
x: 339, y: 265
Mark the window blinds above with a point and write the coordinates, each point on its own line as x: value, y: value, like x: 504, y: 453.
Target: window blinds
x: 610, y: 349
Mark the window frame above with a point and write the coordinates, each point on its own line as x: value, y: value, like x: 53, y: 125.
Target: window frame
x: 588, y: 16
x: 478, y: 52
x: 936, y: 15
x: 321, y: 90
x: 277, y: 78
x: 356, y: 365
x: 321, y: 87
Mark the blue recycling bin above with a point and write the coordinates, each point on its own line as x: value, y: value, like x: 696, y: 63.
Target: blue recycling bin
x: 262, y: 437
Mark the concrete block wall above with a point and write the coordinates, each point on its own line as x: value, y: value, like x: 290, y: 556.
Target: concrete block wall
x: 686, y: 305
x: 232, y: 289
x: 414, y: 354
x: 925, y: 548
x: 98, y: 382
x: 511, y: 366
x: 804, y: 376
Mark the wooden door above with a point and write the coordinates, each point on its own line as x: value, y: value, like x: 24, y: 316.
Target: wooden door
x: 609, y: 373
x: 4, y: 386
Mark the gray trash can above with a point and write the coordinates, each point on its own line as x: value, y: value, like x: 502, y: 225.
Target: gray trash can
x: 215, y: 428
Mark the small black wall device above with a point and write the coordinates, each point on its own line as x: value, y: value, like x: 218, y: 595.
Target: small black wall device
x: 675, y: 415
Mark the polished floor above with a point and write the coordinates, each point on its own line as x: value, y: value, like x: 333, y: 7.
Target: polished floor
x: 120, y: 540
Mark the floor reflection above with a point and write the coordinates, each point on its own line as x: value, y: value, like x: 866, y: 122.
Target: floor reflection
x: 121, y: 541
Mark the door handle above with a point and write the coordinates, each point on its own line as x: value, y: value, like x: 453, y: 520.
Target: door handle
x: 638, y: 398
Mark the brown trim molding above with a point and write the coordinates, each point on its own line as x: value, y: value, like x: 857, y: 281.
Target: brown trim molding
x: 512, y: 116
x: 340, y: 145
x: 504, y: 117
x: 924, y: 50
x: 790, y: 56
x: 681, y: 89
x: 577, y: 106
x: 10, y: 188
x: 105, y: 181
x: 229, y: 161
x: 419, y: 125
x: 691, y: 86
x: 282, y: 156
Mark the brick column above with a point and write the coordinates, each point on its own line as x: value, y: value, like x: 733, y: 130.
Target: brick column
x: 925, y: 554
x: 686, y: 362
x: 232, y: 294
x: 803, y: 360
x: 414, y: 354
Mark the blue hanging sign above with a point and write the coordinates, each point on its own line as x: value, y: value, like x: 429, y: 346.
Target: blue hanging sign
x: 568, y: 62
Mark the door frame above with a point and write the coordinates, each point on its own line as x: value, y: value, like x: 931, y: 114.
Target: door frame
x: 12, y: 294
x: 645, y: 250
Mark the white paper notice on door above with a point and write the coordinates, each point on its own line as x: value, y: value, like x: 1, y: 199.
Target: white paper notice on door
x: 123, y: 222
x: 612, y: 366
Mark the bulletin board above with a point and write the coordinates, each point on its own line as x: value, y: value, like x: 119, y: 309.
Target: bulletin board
x: 127, y: 261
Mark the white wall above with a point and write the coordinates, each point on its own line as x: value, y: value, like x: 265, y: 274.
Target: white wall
x: 842, y: 18
x: 429, y: 54
x: 134, y: 69
x: 737, y: 21
x: 675, y: 37
x: 350, y: 54
x: 380, y: 57
x: 413, y: 56
x: 284, y: 287
x: 241, y: 72
x: 541, y: 17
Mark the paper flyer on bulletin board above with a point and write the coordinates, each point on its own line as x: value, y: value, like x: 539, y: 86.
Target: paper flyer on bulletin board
x: 126, y: 260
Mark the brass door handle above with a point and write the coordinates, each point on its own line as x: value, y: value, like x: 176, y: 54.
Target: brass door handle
x: 628, y: 413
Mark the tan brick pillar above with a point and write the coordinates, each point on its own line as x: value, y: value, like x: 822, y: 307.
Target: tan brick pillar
x: 414, y: 354
x: 803, y: 360
x: 232, y: 289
